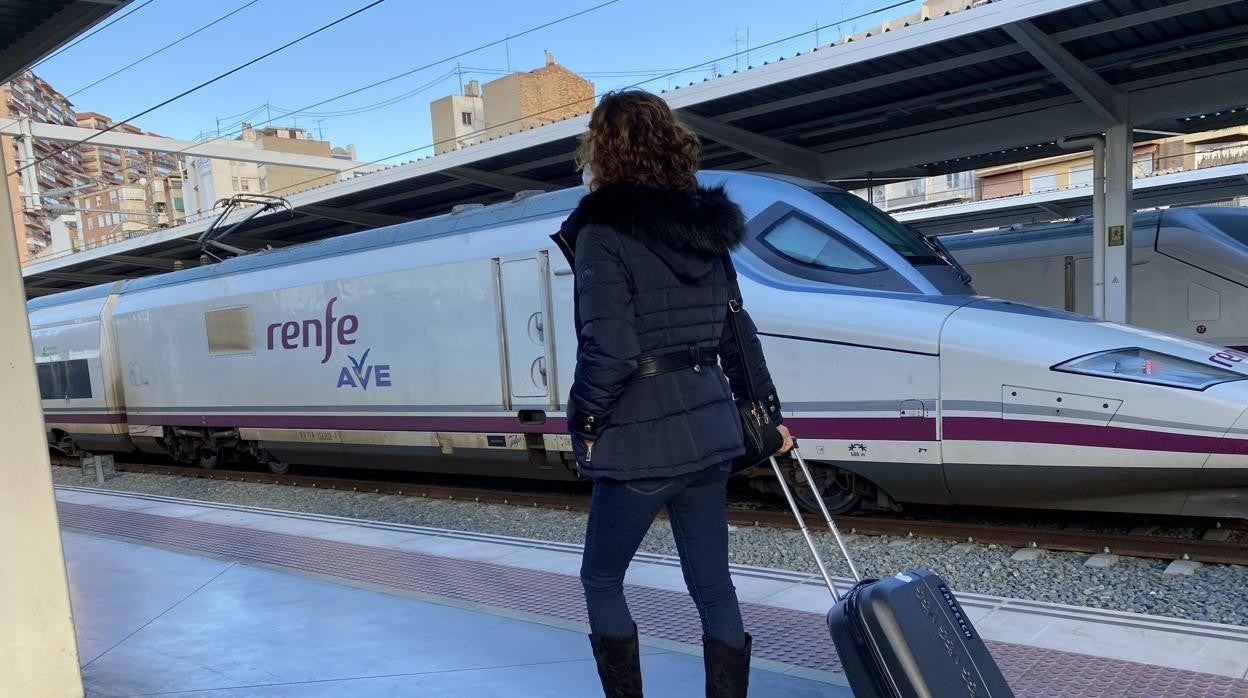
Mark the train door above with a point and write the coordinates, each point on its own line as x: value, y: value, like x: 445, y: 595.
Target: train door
x: 527, y: 349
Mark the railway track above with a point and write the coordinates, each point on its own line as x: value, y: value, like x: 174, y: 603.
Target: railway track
x: 1204, y: 549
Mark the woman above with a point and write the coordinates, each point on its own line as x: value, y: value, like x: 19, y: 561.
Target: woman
x: 652, y: 417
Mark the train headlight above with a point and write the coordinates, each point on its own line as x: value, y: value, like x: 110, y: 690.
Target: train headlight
x: 1145, y: 366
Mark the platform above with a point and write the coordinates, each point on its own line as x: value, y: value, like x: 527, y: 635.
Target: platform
x: 219, y: 600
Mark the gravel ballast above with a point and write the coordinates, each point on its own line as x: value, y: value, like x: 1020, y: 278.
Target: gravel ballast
x: 1216, y: 593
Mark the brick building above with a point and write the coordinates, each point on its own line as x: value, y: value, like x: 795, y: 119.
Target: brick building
x: 512, y: 103
x: 113, y: 214
x: 521, y: 101
x: 114, y: 166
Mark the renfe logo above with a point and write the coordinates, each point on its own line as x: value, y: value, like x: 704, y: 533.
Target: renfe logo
x: 315, y: 332
x: 327, y: 332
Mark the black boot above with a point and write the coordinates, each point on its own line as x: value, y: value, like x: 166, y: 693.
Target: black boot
x: 727, y: 669
x: 619, y: 665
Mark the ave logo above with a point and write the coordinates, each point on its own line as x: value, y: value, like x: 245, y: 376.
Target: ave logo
x: 360, y: 373
x: 326, y: 333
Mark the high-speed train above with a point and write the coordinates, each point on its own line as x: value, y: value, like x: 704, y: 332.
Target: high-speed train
x: 447, y: 345
x: 1189, y: 269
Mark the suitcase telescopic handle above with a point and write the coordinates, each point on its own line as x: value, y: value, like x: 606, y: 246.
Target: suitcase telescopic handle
x: 801, y: 522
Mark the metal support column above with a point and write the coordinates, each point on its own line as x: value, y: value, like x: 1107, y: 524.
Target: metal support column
x: 1119, y: 151
x: 38, y: 652
x: 1097, y: 143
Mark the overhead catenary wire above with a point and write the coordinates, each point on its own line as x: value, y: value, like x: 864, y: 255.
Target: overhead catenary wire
x: 662, y: 76
x: 424, y: 87
x: 180, y: 95
x: 91, y: 33
x: 164, y: 48
x: 560, y: 107
x: 406, y: 73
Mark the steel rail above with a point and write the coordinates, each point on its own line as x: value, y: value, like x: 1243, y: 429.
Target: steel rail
x: 1130, y: 545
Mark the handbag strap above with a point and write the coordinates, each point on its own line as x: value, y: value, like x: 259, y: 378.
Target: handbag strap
x: 735, y: 306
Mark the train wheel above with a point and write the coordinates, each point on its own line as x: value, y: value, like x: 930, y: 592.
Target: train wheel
x: 277, y: 467
x: 209, y: 459
x: 840, y: 489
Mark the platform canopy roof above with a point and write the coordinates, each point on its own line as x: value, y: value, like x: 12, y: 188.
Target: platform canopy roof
x: 1170, y: 189
x: 30, y: 30
x: 993, y: 84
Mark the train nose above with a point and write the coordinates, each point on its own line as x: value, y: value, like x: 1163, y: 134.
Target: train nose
x: 1235, y: 443
x: 1222, y: 485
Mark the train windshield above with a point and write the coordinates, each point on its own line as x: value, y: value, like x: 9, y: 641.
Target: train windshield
x: 1232, y: 222
x: 903, y: 240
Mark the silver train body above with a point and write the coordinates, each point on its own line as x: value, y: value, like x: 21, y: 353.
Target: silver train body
x: 447, y: 345
x: 1189, y: 269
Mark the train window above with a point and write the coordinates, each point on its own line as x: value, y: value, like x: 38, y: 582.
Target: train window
x: 1231, y: 222
x: 797, y: 244
x: 229, y: 331
x: 801, y: 241
x: 1147, y: 366
x: 60, y: 380
x: 903, y: 240
x: 77, y: 379
x: 49, y: 381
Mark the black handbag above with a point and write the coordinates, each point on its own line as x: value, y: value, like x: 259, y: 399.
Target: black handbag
x: 762, y: 439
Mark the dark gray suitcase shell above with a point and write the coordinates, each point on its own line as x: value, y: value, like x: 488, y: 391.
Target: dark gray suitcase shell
x: 908, y: 636
x: 905, y: 636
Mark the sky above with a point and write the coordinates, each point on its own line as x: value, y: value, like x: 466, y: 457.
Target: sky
x: 624, y: 43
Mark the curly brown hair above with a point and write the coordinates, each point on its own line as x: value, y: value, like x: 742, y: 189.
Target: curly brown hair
x: 634, y: 137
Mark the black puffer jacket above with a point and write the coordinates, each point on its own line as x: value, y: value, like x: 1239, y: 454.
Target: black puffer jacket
x: 650, y: 280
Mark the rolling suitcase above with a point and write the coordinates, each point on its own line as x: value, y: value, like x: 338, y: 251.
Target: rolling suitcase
x: 902, y: 636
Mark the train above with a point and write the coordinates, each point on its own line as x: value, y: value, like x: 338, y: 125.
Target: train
x: 446, y: 345
x: 1189, y: 269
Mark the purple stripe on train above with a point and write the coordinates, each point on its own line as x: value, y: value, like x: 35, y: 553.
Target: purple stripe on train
x: 553, y: 425
x: 1067, y: 433
x: 866, y: 428
x: 84, y: 417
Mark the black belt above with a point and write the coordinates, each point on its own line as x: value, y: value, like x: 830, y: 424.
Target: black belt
x: 693, y: 358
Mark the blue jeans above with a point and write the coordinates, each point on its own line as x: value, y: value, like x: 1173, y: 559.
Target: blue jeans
x: 620, y: 513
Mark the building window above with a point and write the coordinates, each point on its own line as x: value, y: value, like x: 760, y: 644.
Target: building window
x: 1143, y: 166
x: 112, y: 197
x: 244, y: 185
x: 915, y: 187
x: 466, y: 118
x: 1081, y: 176
x: 1046, y: 181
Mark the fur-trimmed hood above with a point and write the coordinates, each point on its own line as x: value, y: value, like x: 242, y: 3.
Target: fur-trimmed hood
x: 687, y: 230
